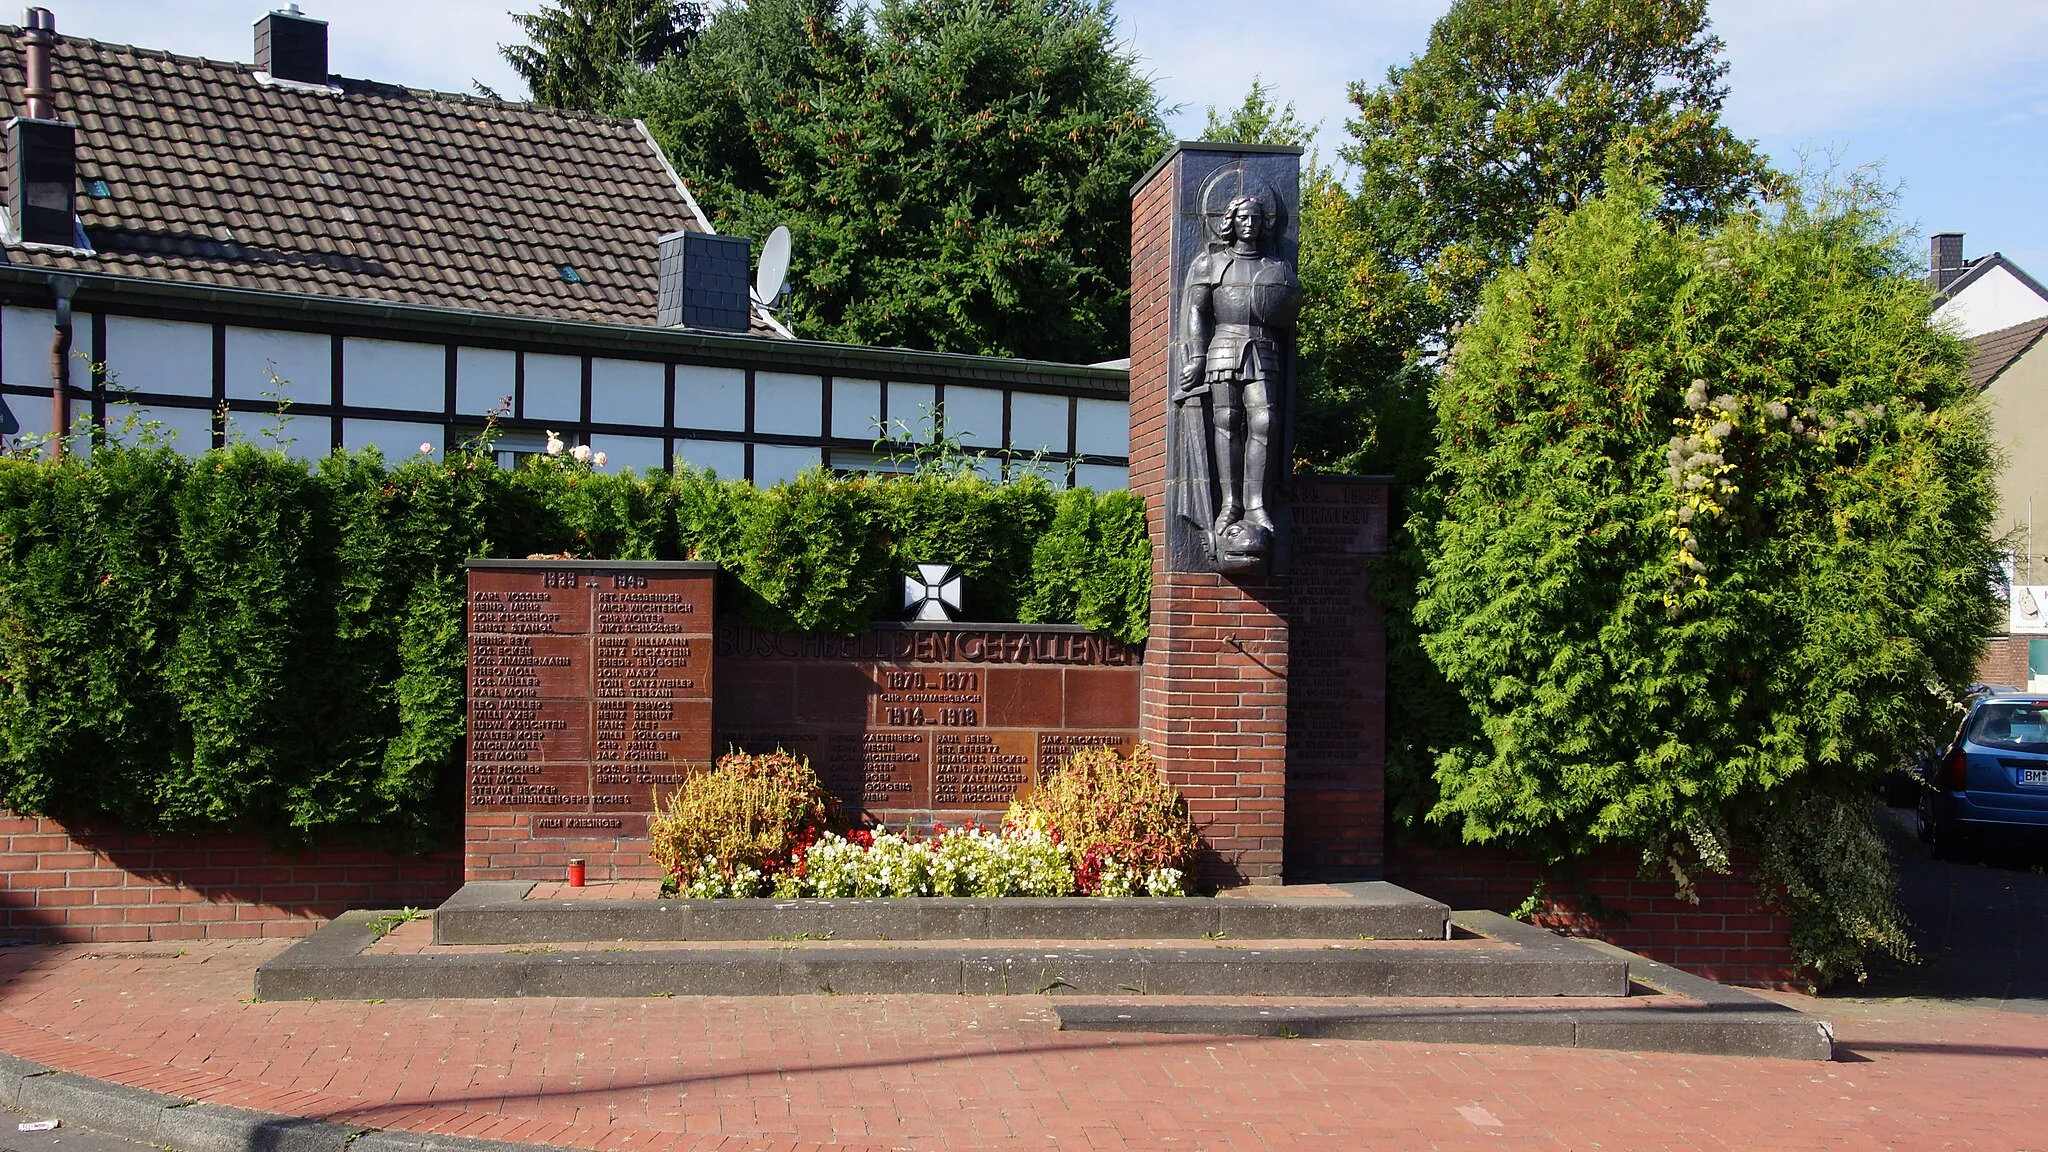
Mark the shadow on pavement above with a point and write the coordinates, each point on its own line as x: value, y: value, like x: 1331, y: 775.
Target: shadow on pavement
x: 1982, y: 929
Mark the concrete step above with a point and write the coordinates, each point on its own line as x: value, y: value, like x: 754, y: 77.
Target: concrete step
x: 500, y: 912
x: 1681, y: 1013
x: 343, y: 961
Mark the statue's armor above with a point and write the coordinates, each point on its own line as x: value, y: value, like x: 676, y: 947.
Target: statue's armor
x: 1253, y: 300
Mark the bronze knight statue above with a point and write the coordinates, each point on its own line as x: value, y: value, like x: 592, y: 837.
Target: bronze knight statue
x: 1239, y: 305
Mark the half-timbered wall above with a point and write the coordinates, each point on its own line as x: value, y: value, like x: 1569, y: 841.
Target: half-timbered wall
x: 210, y: 380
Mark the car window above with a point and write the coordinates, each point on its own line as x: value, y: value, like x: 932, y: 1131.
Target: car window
x: 2018, y: 726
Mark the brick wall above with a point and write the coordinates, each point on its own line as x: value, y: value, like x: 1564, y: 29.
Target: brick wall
x: 2004, y: 662
x: 506, y: 846
x: 61, y: 883
x: 1728, y: 936
x: 1214, y: 710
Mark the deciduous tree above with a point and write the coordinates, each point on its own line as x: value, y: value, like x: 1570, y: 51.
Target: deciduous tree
x: 1511, y: 111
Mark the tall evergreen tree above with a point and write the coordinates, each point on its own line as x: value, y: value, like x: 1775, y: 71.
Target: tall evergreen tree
x: 955, y: 173
x: 1714, y: 548
x: 582, y: 52
x: 1258, y: 120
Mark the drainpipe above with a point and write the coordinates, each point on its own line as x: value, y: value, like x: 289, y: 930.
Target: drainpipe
x: 62, y: 288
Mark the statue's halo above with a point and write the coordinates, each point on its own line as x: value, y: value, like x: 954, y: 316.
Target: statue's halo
x: 1231, y: 181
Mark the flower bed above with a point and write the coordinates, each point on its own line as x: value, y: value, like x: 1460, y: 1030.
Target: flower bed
x: 758, y: 826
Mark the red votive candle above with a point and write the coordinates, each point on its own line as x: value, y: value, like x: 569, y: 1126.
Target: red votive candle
x: 575, y: 873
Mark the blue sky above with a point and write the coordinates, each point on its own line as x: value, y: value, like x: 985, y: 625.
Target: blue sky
x: 1952, y: 97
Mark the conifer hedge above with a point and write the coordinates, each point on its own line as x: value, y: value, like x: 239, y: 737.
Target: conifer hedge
x: 1709, y: 549
x: 243, y: 641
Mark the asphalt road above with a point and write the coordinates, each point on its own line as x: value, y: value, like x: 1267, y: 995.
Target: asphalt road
x: 65, y: 1139
x: 1982, y: 928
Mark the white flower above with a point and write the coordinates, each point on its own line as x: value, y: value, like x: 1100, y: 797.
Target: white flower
x: 554, y: 443
x: 598, y: 459
x: 426, y: 449
x: 581, y: 452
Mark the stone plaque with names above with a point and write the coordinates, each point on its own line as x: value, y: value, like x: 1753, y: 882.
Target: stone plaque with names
x: 589, y: 689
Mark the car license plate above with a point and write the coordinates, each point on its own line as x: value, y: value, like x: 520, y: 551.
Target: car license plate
x: 2034, y: 776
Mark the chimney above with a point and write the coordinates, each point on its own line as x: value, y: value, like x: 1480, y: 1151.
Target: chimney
x: 292, y: 46
x: 704, y: 282
x: 42, y: 164
x: 1944, y: 258
x: 38, y: 40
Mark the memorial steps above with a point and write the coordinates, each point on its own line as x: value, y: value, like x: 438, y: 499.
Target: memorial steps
x: 1351, y: 961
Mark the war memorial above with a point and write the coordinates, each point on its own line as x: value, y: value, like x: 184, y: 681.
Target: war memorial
x: 1261, y: 689
x: 595, y: 688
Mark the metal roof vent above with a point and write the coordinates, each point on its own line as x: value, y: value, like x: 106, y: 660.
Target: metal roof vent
x: 704, y: 282
x: 292, y: 46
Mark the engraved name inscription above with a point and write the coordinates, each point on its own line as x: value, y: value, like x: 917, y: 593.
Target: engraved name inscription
x: 585, y: 696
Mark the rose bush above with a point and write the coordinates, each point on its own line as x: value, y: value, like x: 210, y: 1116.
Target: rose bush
x: 1101, y: 825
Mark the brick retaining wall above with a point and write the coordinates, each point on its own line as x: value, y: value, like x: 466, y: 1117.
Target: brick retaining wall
x: 60, y: 883
x: 71, y: 884
x: 1728, y: 936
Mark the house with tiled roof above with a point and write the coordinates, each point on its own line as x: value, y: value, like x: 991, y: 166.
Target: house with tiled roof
x: 1986, y: 294
x: 217, y: 246
x: 2009, y: 366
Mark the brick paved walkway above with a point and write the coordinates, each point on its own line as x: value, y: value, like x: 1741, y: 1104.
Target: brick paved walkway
x: 951, y: 1072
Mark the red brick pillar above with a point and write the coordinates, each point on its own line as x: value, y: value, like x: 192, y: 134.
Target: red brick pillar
x: 1213, y: 700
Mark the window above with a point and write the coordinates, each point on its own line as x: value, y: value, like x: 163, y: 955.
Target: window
x: 2016, y: 726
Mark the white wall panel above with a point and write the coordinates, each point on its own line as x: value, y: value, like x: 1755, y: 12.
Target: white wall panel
x: 638, y: 452
x: 398, y: 440
x: 724, y: 457
x: 484, y: 380
x: 856, y: 408
x: 975, y: 416
x: 1038, y: 423
x: 554, y: 388
x: 1101, y: 477
x: 788, y: 404
x: 626, y: 392
x: 711, y: 398
x: 391, y: 374
x: 301, y: 437
x: 160, y: 356
x: 25, y: 335
x: 301, y: 362
x: 774, y: 463
x: 910, y: 409
x: 1102, y: 428
x: 189, y: 430
x: 33, y: 413
x: 1053, y: 472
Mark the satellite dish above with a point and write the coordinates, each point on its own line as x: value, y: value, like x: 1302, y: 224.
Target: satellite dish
x: 770, y: 277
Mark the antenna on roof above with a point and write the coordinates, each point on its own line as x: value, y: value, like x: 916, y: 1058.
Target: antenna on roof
x: 771, y: 278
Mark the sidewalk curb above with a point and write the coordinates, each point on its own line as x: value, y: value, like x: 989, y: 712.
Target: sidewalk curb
x: 193, y: 1126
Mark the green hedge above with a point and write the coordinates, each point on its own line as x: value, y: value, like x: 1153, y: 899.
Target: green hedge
x: 244, y: 641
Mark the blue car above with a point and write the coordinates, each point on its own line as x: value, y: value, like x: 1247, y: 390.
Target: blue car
x: 1994, y: 774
